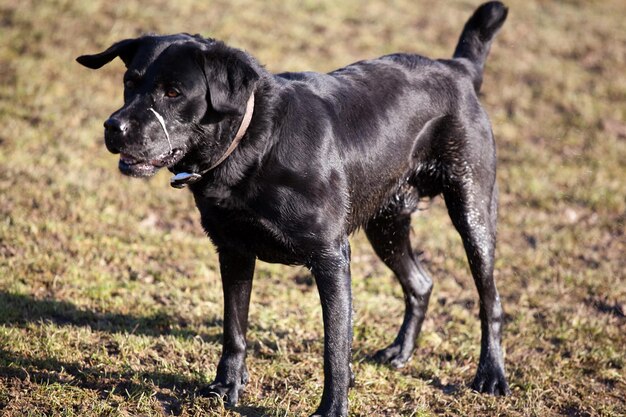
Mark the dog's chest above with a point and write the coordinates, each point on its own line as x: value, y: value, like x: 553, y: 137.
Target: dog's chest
x: 246, y: 231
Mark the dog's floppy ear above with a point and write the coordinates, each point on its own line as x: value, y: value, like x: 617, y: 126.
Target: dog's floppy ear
x: 230, y: 80
x: 124, y: 49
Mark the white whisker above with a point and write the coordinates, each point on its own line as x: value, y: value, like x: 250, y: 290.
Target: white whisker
x: 162, y: 122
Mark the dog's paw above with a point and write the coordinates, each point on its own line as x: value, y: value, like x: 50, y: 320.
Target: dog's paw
x: 491, y: 380
x: 393, y: 355
x: 229, y: 392
x: 332, y: 412
x: 230, y: 380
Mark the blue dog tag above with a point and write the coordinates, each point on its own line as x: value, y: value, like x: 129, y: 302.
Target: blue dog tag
x: 181, y: 179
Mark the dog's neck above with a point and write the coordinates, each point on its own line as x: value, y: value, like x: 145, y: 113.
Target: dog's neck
x: 182, y: 179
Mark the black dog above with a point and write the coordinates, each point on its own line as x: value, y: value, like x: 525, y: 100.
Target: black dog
x: 284, y: 167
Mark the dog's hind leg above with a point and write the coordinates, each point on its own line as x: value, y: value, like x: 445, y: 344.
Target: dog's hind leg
x: 389, y: 235
x: 471, y: 199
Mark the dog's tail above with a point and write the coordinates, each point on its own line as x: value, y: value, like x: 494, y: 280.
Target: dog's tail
x: 477, y: 36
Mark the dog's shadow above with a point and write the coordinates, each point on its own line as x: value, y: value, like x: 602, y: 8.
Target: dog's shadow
x: 17, y: 310
x: 257, y: 411
x: 450, y: 389
x: 176, y: 390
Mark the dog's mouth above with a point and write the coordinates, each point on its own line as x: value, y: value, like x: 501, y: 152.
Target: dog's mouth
x: 134, y: 167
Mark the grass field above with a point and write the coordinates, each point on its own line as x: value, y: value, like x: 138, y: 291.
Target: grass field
x: 110, y: 302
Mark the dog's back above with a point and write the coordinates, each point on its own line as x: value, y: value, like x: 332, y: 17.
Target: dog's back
x: 394, y: 109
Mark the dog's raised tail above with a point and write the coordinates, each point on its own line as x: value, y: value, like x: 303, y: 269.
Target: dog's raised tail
x: 477, y: 36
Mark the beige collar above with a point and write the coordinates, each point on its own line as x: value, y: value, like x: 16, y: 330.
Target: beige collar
x: 181, y: 179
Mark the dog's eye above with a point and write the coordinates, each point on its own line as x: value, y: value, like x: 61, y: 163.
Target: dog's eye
x: 171, y: 93
x: 130, y: 84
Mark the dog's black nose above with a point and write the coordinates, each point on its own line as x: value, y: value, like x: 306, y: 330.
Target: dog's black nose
x: 114, y: 125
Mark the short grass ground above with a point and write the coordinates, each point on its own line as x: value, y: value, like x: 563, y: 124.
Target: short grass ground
x: 110, y: 302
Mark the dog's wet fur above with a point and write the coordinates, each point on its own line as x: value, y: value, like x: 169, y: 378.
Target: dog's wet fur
x: 324, y: 155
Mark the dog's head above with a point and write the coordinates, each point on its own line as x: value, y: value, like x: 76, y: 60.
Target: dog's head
x: 180, y: 91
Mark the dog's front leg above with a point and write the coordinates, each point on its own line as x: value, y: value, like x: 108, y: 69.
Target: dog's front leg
x: 332, y: 275
x: 237, y: 271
